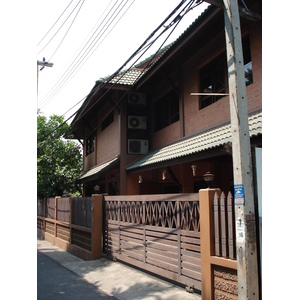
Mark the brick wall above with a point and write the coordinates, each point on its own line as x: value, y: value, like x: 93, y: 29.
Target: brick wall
x: 108, y: 141
x: 197, y: 120
x: 166, y: 135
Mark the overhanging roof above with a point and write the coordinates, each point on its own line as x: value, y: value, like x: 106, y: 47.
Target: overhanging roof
x: 193, y: 145
x: 96, y: 171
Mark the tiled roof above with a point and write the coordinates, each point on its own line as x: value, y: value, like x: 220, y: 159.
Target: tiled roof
x: 132, y: 75
x: 96, y: 170
x: 196, y: 144
x: 128, y: 77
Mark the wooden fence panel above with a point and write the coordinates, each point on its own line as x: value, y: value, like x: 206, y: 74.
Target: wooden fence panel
x: 63, y: 210
x: 83, y: 237
x: 159, y: 233
x: 224, y: 230
x: 50, y: 208
x: 82, y: 210
x: 40, y: 207
x: 217, y: 225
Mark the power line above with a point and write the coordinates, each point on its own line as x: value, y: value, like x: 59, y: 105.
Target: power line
x: 54, y: 23
x: 67, y: 30
x: 175, y: 21
x: 60, y: 27
x: 79, y: 64
x: 87, y: 48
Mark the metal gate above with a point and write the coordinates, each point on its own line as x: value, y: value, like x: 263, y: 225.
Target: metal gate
x: 158, y: 233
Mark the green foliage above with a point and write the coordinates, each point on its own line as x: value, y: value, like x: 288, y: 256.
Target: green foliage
x: 59, y: 161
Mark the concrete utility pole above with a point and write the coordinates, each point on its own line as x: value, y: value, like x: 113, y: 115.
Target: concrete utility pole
x: 44, y: 64
x: 246, y: 245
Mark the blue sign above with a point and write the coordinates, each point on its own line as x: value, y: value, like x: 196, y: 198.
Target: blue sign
x: 239, y: 197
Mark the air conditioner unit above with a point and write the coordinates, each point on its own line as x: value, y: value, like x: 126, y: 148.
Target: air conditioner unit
x: 137, y: 98
x: 137, y: 146
x: 137, y: 122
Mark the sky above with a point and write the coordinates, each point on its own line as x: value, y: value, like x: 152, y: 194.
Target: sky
x: 80, y: 56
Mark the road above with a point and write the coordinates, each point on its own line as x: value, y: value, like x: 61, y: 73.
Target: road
x: 56, y: 282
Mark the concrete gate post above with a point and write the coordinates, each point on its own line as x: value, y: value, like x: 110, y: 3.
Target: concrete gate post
x: 206, y: 204
x: 97, y: 216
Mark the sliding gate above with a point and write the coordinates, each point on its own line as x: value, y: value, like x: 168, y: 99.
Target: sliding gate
x: 158, y: 233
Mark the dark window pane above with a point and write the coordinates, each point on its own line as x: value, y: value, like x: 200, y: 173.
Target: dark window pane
x: 166, y: 110
x: 247, y: 60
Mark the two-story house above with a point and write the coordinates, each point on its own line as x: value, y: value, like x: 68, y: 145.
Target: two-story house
x: 145, y: 132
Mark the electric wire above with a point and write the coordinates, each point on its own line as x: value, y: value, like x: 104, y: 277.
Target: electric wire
x: 178, y: 18
x: 89, y: 52
x: 73, y: 67
x: 59, y: 28
x: 51, y: 56
x: 55, y: 23
x: 78, y: 58
x: 176, y: 21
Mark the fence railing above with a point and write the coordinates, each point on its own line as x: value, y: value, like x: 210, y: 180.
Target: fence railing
x: 171, y: 211
x: 144, y: 230
x: 158, y: 233
x: 224, y: 226
x: 72, y: 223
x: 218, y: 260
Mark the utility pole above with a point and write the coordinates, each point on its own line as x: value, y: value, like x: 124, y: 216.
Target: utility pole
x: 44, y: 64
x: 247, y: 269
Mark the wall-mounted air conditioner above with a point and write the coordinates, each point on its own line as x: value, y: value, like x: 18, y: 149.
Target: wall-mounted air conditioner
x: 137, y: 146
x: 137, y: 98
x: 137, y: 122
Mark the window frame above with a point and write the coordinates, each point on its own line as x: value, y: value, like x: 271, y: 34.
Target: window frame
x: 212, y: 67
x: 90, y: 144
x: 166, y: 110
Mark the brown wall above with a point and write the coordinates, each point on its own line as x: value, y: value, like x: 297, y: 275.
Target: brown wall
x: 153, y: 184
x: 166, y: 135
x: 196, y: 120
x: 108, y: 141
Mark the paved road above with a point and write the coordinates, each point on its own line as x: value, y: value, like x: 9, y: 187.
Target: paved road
x: 56, y: 282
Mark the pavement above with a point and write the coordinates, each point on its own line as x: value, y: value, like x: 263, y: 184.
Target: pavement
x: 110, y: 279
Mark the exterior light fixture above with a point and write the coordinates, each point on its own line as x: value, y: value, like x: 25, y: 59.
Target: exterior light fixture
x: 163, y: 174
x: 140, y: 179
x: 194, y: 167
x: 208, y: 177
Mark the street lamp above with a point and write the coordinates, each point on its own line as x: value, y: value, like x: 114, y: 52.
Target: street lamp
x: 44, y: 64
x: 208, y: 177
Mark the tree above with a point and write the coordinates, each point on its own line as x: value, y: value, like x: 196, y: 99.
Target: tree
x: 59, y: 161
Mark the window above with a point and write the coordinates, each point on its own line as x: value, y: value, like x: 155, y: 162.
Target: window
x: 166, y: 110
x: 212, y: 80
x: 214, y: 76
x: 90, y: 144
x: 247, y: 60
x: 107, y: 121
